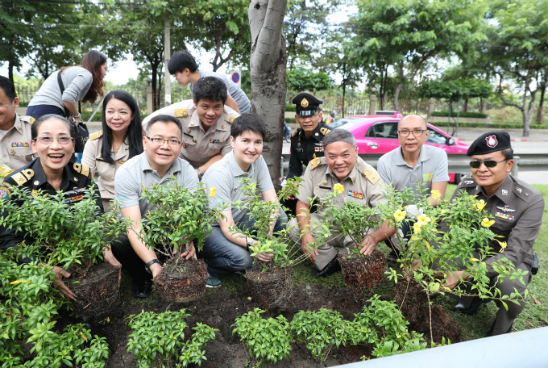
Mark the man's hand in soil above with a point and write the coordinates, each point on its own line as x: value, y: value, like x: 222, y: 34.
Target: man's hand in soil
x: 454, y: 278
x: 109, y: 258
x: 59, y: 284
x: 190, y: 251
x: 368, y: 245
x: 307, y: 246
x: 155, y: 269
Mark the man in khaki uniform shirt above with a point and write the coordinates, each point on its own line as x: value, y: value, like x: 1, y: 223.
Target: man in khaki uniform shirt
x: 15, y: 131
x: 362, y: 184
x: 206, y: 122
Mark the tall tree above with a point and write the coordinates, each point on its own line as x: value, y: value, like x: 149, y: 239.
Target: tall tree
x: 268, y: 67
x: 519, y: 52
x: 407, y: 35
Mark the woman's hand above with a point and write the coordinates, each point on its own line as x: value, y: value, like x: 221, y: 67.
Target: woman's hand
x: 59, y: 284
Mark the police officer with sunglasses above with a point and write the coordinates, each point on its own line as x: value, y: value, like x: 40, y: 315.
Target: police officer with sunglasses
x: 517, y: 210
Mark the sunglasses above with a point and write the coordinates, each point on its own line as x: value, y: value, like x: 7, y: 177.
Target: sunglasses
x: 488, y: 163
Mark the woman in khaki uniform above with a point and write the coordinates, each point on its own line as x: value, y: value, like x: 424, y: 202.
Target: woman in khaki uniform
x: 120, y: 139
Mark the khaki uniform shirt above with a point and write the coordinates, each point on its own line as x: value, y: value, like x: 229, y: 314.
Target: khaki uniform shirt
x: 199, y: 146
x: 15, y: 149
x: 102, y: 171
x: 517, y: 208
x: 362, y: 186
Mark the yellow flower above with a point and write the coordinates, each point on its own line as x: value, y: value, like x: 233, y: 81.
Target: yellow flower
x: 17, y: 282
x: 427, y: 245
x: 486, y: 222
x: 436, y: 194
x: 338, y: 188
x: 399, y: 215
x: 503, y: 246
x: 479, y: 205
x: 473, y: 259
x: 417, y: 227
x: 212, y: 192
x: 423, y: 220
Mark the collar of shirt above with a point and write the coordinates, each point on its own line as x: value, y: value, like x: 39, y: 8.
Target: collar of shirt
x: 400, y: 161
x: 235, y: 169
x: 316, y: 135
x: 173, y: 170
x: 351, y: 177
x: 39, y: 179
x: 502, y: 193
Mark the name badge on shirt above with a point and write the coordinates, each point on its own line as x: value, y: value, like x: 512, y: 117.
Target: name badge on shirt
x: 504, y: 216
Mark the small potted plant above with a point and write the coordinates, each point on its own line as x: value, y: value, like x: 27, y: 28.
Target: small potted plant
x: 73, y: 236
x: 180, y: 217
x: 269, y: 282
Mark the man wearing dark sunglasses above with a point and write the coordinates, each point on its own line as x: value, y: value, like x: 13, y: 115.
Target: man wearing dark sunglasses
x: 517, y: 210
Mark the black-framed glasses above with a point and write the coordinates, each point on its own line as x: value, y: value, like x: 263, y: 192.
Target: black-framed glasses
x: 63, y: 140
x: 159, y: 141
x: 416, y: 132
x: 475, y: 164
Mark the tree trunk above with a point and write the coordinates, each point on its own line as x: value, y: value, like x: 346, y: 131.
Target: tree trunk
x: 268, y: 70
x: 483, y: 105
x: 343, y: 97
x: 541, y: 102
x: 528, y: 113
x: 397, y: 96
x: 167, y: 55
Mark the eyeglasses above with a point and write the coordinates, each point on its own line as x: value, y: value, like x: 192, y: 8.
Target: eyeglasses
x: 488, y: 163
x: 159, y: 141
x: 416, y: 132
x: 63, y: 140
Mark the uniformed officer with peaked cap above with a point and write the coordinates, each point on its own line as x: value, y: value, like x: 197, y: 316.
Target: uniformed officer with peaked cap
x: 306, y: 141
x: 517, y: 209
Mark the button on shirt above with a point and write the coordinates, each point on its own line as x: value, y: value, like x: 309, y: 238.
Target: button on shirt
x: 430, y: 167
x: 517, y: 208
x: 362, y: 185
x: 136, y: 174
x: 103, y: 171
x: 15, y: 149
x: 226, y: 175
x: 199, y: 146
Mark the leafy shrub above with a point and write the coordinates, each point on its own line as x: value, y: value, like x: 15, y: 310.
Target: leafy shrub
x: 158, y: 339
x: 266, y: 338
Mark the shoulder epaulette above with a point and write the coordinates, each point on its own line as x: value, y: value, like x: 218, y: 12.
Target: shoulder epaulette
x: 324, y: 130
x: 371, y: 175
x: 231, y: 119
x: 314, y: 163
x: 180, y: 113
x: 96, y: 135
x: 467, y: 182
x: 81, y: 169
x: 23, y: 176
x: 295, y: 132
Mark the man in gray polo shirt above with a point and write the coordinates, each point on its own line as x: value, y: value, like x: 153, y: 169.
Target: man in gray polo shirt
x: 414, y: 163
x: 159, y: 164
x: 226, y: 249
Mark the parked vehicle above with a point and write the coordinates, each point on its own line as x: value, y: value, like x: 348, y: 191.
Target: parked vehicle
x: 379, y: 134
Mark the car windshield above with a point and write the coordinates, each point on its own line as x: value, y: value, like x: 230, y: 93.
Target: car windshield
x: 345, y: 124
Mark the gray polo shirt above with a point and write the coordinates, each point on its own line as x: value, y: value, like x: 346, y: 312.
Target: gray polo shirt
x: 225, y: 176
x: 136, y: 175
x: 233, y: 90
x: 431, y: 167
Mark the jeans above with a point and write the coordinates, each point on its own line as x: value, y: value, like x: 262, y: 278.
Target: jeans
x: 223, y: 256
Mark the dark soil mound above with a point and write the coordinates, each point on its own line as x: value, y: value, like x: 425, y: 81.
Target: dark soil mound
x: 181, y: 280
x: 362, y: 273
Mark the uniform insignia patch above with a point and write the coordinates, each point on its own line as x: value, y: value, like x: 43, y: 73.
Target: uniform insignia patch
x: 19, y: 178
x: 355, y: 194
x: 324, y: 130
x: 20, y: 144
x: 491, y: 141
x: 231, y: 119
x: 96, y: 135
x: 519, y: 190
x: 506, y: 209
x: 120, y: 161
x: 504, y: 192
x: 314, y: 163
x: 318, y: 148
x: 4, y: 192
x: 216, y: 141
x: 31, y: 120
x: 304, y: 103
x: 371, y: 175
x: 504, y: 216
x: 468, y: 182
x: 180, y: 113
x: 77, y: 167
x: 294, y: 133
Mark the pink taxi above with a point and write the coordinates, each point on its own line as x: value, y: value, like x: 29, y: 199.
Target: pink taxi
x: 378, y: 134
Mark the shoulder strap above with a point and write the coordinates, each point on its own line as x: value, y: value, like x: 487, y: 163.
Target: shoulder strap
x: 60, y: 81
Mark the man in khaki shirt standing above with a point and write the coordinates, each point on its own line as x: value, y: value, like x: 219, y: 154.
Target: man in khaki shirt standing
x: 206, y: 122
x: 362, y: 184
x: 15, y: 135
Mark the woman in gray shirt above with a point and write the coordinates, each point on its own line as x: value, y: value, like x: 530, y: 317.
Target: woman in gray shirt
x: 83, y: 82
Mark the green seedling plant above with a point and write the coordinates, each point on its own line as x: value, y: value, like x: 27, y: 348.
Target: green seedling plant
x: 28, y: 308
x: 452, y: 236
x: 61, y: 233
x: 158, y: 339
x: 263, y: 214
x: 267, y: 339
x: 179, y: 216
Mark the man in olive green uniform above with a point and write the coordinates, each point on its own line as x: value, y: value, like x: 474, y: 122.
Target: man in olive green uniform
x: 517, y: 208
x: 206, y: 122
x: 15, y: 135
x: 362, y: 184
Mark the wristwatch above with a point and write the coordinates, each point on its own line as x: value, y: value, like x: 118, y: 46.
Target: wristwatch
x: 150, y: 263
x: 249, y: 242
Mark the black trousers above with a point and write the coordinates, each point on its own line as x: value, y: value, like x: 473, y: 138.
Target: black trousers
x: 124, y: 253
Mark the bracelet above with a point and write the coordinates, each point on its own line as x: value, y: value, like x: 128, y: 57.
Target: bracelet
x: 150, y: 263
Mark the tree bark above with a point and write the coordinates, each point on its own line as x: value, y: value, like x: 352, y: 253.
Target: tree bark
x: 541, y: 102
x: 167, y: 56
x: 268, y: 70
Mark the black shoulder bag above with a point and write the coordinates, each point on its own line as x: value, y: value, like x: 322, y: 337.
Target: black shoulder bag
x: 82, y: 132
